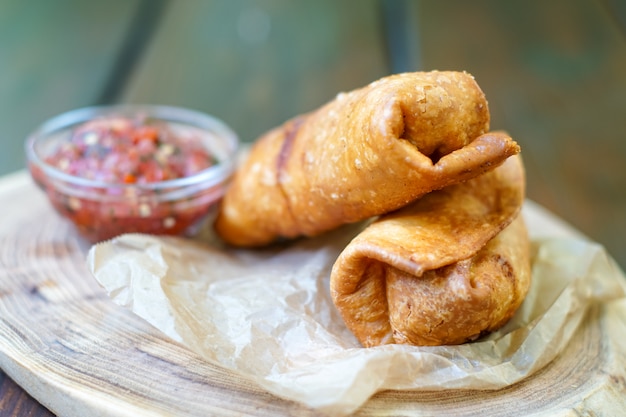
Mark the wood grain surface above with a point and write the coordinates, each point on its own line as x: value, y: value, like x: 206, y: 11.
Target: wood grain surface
x: 78, y: 354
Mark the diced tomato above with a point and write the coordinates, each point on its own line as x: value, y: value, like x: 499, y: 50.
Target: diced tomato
x: 149, y: 133
x: 129, y: 178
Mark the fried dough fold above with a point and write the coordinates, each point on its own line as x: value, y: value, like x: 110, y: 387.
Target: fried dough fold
x: 367, y: 152
x: 444, y: 270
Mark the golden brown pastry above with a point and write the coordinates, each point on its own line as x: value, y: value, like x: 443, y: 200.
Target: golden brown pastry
x: 444, y: 270
x: 365, y: 153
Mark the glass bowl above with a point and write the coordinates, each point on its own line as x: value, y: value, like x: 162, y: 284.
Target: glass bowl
x: 103, y: 207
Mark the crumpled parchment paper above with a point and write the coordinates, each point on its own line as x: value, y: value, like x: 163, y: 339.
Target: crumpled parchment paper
x: 268, y: 314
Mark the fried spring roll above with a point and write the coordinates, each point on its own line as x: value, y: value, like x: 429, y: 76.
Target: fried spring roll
x: 365, y: 153
x: 443, y: 270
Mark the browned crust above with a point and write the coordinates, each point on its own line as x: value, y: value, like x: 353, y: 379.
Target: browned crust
x: 443, y: 270
x: 365, y: 153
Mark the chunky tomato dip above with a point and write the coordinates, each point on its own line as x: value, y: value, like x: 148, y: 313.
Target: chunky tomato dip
x: 122, y: 150
x: 125, y: 158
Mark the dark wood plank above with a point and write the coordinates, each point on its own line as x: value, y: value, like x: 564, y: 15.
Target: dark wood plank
x: 14, y: 401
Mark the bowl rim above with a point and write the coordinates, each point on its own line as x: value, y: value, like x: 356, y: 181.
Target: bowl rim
x: 208, y: 177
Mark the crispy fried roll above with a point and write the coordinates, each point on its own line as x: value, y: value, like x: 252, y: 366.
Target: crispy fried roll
x: 443, y: 270
x: 365, y: 153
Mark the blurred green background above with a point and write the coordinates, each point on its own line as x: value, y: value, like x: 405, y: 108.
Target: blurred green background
x: 554, y: 73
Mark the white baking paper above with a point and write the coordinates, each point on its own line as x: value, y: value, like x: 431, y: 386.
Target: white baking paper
x: 268, y: 315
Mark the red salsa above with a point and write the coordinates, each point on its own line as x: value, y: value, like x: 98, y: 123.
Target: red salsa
x: 122, y: 150
x: 127, y: 155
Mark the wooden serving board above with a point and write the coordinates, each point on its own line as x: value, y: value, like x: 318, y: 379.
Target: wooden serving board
x: 79, y: 354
